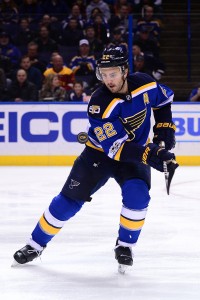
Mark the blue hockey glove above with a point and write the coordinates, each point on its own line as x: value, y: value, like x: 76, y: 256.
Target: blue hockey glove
x: 165, y: 132
x: 154, y: 156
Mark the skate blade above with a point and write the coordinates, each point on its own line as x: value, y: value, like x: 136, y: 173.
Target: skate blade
x: 122, y: 269
x: 15, y: 264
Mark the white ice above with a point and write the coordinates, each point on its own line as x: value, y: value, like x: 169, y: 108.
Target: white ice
x: 79, y: 263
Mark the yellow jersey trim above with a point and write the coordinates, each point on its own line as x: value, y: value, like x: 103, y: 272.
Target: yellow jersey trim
x: 117, y: 156
x: 112, y: 104
x: 144, y: 88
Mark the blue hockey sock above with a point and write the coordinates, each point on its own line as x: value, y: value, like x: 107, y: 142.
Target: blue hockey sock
x: 135, y: 202
x: 60, y: 210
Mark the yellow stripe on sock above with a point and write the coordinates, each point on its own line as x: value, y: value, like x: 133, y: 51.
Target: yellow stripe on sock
x: 47, y: 228
x: 131, y: 224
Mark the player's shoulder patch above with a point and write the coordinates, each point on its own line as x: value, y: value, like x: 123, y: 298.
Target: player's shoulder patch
x: 99, y: 102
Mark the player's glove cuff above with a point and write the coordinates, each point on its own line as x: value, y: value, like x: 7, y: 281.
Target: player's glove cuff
x: 154, y: 156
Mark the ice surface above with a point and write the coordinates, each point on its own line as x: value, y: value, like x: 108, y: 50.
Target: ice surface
x: 79, y: 263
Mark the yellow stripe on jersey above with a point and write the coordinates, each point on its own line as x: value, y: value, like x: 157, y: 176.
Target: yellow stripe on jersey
x: 117, y: 155
x: 144, y: 88
x: 131, y: 224
x: 47, y: 228
x: 89, y: 144
x: 110, y: 106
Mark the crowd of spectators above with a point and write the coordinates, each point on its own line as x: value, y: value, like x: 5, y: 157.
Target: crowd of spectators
x: 49, y: 49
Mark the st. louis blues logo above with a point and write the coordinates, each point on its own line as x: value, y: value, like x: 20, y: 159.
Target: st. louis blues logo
x: 73, y: 184
x: 134, y: 122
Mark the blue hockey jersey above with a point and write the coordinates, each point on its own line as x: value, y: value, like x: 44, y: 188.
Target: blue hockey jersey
x: 116, y: 120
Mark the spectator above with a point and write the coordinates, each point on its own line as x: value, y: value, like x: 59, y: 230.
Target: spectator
x: 96, y: 18
x: 57, y: 9
x: 34, y: 75
x: 31, y: 10
x: 33, y: 54
x: 6, y: 65
x: 117, y: 39
x: 65, y: 74
x: 22, y: 90
x: 72, y: 34
x: 138, y: 6
x: 153, y: 63
x: 45, y: 43
x: 51, y: 89
x: 136, y: 50
x: 53, y: 27
x: 118, y: 3
x: 142, y: 64
x: 121, y: 21
x: 75, y: 13
x: 9, y: 50
x: 3, y: 86
x: 96, y: 47
x: 78, y: 93
x: 82, y: 5
x: 24, y: 35
x: 84, y: 64
x: 103, y: 6
x: 147, y: 44
x: 195, y: 95
x: 101, y: 29
x: 8, y: 15
x: 149, y: 23
x: 50, y: 63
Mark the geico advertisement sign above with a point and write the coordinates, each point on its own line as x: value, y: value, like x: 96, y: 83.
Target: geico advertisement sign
x: 54, y: 127
x: 41, y: 128
x: 37, y: 127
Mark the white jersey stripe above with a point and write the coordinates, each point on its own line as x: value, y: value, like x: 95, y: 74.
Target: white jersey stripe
x: 169, y: 100
x: 145, y: 89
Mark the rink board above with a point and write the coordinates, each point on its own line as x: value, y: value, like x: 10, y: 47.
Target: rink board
x: 45, y: 134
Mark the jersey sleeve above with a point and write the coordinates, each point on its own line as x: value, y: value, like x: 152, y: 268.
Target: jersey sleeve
x: 161, y: 104
x: 164, y: 96
x: 113, y: 140
x: 107, y: 135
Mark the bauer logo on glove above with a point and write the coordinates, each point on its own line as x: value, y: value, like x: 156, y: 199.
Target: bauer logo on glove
x: 165, y: 132
x: 154, y: 156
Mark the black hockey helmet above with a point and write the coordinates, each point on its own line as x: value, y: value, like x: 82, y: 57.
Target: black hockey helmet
x: 114, y: 56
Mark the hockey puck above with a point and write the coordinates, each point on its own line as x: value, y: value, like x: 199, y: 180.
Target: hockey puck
x: 82, y: 137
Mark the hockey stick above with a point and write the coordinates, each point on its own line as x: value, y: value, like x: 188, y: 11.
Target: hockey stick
x: 169, y: 168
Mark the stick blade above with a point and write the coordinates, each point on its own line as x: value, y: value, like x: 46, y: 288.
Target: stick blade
x: 171, y: 167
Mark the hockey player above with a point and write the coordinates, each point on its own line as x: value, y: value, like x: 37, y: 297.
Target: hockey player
x: 118, y: 146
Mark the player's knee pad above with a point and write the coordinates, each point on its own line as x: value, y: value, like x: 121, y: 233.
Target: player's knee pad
x: 135, y: 194
x: 63, y: 208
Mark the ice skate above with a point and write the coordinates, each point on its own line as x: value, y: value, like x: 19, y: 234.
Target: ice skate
x: 124, y: 257
x: 25, y: 255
